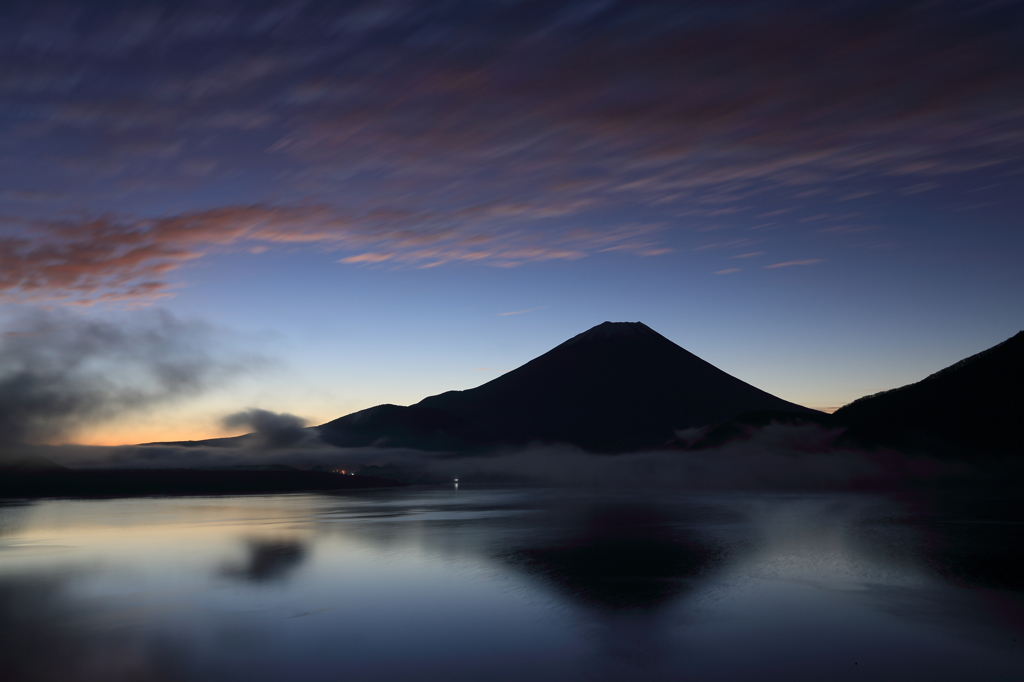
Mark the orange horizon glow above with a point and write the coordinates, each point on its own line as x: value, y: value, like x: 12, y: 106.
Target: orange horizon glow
x: 121, y: 437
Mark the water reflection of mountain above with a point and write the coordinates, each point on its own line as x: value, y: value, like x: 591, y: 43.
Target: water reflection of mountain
x: 619, y: 573
x: 623, y: 557
x: 967, y: 540
x: 976, y: 541
x: 606, y: 554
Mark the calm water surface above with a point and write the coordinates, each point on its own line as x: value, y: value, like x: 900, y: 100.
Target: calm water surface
x: 444, y: 584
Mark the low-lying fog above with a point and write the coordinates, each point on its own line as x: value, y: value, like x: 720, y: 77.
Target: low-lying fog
x: 777, y: 456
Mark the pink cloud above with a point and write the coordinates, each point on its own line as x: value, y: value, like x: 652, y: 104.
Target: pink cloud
x: 520, y: 312
x: 810, y: 261
x: 367, y: 258
x: 110, y: 259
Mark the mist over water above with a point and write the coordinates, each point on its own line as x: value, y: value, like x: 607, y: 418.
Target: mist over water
x: 510, y: 584
x: 775, y: 457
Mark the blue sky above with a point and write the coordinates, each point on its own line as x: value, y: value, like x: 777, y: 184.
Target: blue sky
x: 821, y: 199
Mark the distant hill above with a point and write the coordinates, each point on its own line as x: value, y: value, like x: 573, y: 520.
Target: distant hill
x: 16, y: 458
x: 144, y: 482
x: 227, y: 442
x: 973, y: 407
x: 617, y: 387
x: 246, y: 440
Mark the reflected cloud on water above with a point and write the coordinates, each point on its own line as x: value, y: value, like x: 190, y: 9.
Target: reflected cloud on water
x: 623, y: 556
x: 50, y: 633
x: 268, y: 560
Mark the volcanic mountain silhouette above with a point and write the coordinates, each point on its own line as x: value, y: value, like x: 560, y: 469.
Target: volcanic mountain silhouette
x: 972, y: 407
x: 617, y: 387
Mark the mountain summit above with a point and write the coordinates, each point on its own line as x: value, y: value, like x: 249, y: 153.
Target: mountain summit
x: 617, y: 387
x: 615, y: 330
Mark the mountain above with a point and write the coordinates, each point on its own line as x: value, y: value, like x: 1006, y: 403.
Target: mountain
x: 16, y: 457
x: 973, y: 407
x: 144, y: 482
x: 617, y: 387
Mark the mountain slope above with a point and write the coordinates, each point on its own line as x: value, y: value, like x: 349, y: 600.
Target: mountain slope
x: 971, y: 407
x: 617, y: 387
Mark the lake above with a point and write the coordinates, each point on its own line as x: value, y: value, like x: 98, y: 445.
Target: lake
x: 514, y: 584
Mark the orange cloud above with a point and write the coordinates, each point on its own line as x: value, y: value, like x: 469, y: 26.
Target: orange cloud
x: 110, y: 259
x: 368, y: 258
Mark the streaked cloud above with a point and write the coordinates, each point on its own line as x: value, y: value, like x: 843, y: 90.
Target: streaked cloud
x: 110, y: 258
x: 30, y: 195
x: 426, y: 134
x: 520, y: 312
x: 810, y: 261
x: 367, y: 258
x: 649, y: 98
x: 731, y: 244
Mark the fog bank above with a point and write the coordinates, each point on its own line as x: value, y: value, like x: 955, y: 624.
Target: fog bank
x: 775, y: 457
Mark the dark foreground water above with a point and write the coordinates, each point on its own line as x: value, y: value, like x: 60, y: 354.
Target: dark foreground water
x: 445, y: 584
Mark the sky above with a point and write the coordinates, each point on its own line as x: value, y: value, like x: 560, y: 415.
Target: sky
x: 317, y: 207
